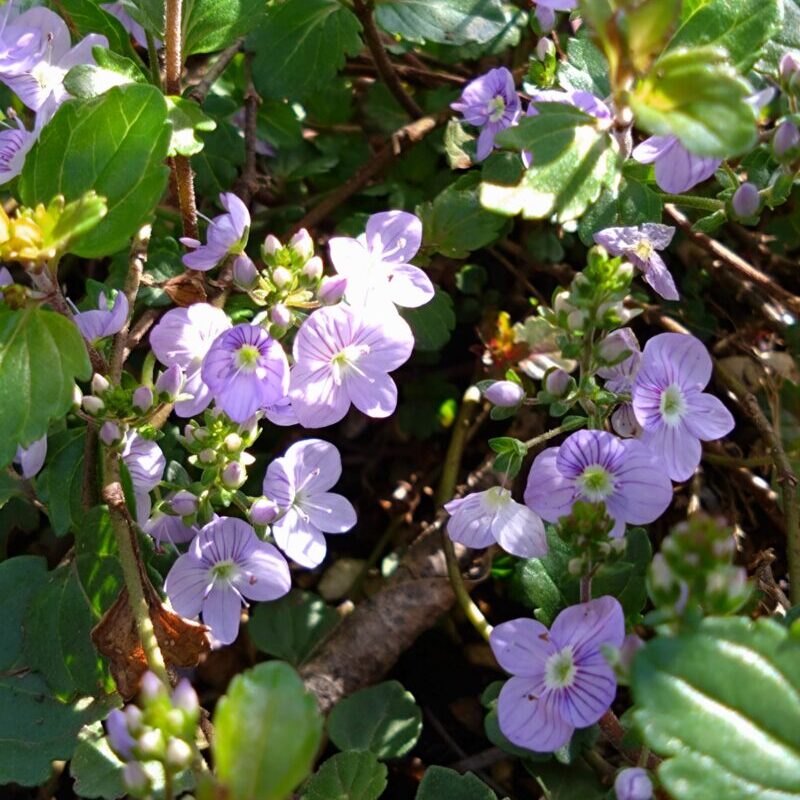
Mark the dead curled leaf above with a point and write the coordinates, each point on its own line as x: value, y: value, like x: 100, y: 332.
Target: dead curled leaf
x: 182, y: 643
x: 186, y: 289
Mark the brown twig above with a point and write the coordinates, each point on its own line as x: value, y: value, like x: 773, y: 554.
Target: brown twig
x: 401, y: 141
x: 248, y: 182
x: 200, y: 90
x: 614, y: 732
x: 745, y: 270
x: 386, y: 70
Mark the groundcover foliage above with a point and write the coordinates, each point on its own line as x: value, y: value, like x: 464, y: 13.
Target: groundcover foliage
x: 399, y: 399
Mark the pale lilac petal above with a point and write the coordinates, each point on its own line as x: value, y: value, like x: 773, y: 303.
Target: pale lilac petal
x: 390, y: 342
x: 643, y: 491
x: 470, y: 523
x: 82, y: 52
x: 679, y: 449
x: 281, y: 413
x: 240, y: 216
x: 522, y: 647
x: 222, y: 611
x: 302, y: 542
x: 316, y: 399
x: 660, y: 236
x: 548, y: 492
x: 186, y: 584
x: 660, y: 279
x: 558, y: 5
x: 623, y: 420
x: 706, y: 417
x: 201, y: 395
x: 330, y: 512
x: 314, y: 463
x: 591, y: 694
x: 204, y: 258
x: 586, y: 627
x: 183, y: 336
x: 409, y: 286
x: 529, y: 717
x: 265, y: 574
x: 165, y: 527
x: 519, y: 531
x: 654, y: 147
x: 31, y: 458
x: 394, y: 236
x: 374, y: 394
x: 679, y: 170
x: 485, y: 143
x: 682, y: 359
x: 144, y: 460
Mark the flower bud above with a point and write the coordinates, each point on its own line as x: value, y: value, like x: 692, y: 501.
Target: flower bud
x: 746, y: 200
x: 136, y: 780
x: 151, y: 687
x: 233, y: 475
x: 151, y: 743
x: 616, y: 344
x: 179, y: 754
x: 100, y: 385
x: 77, y: 396
x: 184, y: 698
x: 313, y: 268
x: 302, y: 244
x: 575, y: 566
x: 546, y: 18
x: 133, y: 718
x: 245, y: 274
x: 170, y: 382
x: 631, y: 645
x: 505, y: 394
x: 207, y: 456
x: 556, y: 382
x: 263, y: 511
x: 280, y: 316
x: 92, y: 405
x: 633, y: 784
x: 143, y: 399
x: 119, y: 736
x: 271, y: 246
x: 110, y: 434
x: 233, y: 442
x: 281, y: 276
x: 786, y: 140
x: 545, y: 48
x: 183, y: 503
x: 332, y: 289
x: 789, y: 67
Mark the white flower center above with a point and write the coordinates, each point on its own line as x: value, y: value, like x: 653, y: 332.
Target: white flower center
x: 496, y: 107
x: 595, y: 483
x: 673, y: 404
x: 246, y: 358
x: 643, y: 250
x: 224, y: 571
x: 346, y: 360
x: 560, y: 669
x: 48, y: 76
x: 496, y: 497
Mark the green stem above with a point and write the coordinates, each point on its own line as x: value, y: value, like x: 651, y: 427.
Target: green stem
x: 537, y: 440
x: 447, y: 484
x: 694, y: 201
x: 152, y: 56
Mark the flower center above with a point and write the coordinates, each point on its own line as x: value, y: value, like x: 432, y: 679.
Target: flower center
x: 247, y: 358
x: 673, y: 405
x: 47, y: 75
x: 559, y: 669
x: 595, y: 483
x: 643, y: 250
x: 224, y: 571
x: 346, y: 360
x: 496, y: 108
x: 497, y: 497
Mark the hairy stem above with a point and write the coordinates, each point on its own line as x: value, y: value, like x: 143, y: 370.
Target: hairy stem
x: 694, y: 201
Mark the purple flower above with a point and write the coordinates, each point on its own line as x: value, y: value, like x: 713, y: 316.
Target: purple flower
x: 677, y: 170
x: 342, y: 356
x: 183, y: 337
x: 546, y: 17
x: 225, y: 564
x: 136, y: 31
x: 597, y: 467
x: 505, y: 394
x: 25, y: 37
x: 670, y: 404
x: 245, y: 370
x: 119, y: 735
x: 144, y: 460
x: 561, y: 679
x: 640, y: 246
x: 166, y: 527
x: 102, y: 322
x: 482, y: 518
x: 31, y: 458
x: 491, y: 103
x: 746, y: 200
x: 226, y: 235
x: 14, y: 146
x: 376, y: 264
x: 619, y: 378
x: 633, y: 783
x: 281, y: 413
x: 299, y: 482
x: 557, y: 5
x: 786, y: 140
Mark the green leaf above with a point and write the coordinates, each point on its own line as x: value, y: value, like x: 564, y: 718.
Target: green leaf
x: 10, y: 487
x: 786, y: 39
x: 566, y: 782
x: 440, y: 783
x: 309, y: 41
x: 697, y: 96
x: 266, y: 733
x: 444, y: 21
x: 573, y: 161
x: 737, y: 680
x: 88, y: 17
x: 352, y: 775
x: 41, y: 354
x: 109, y: 70
x: 99, y: 569
x: 742, y: 27
x: 115, y: 144
x: 290, y: 628
x: 61, y: 482
x: 455, y: 223
x: 632, y: 204
x: 58, y: 644
x: 586, y: 69
x: 432, y: 323
x: 187, y: 118
x: 20, y: 578
x: 216, y: 166
x: 383, y: 719
x: 212, y: 25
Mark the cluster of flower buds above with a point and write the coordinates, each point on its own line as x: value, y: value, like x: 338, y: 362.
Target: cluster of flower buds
x: 291, y: 280
x: 587, y: 530
x: 123, y: 404
x: 219, y: 448
x: 160, y: 730
x: 693, y: 573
